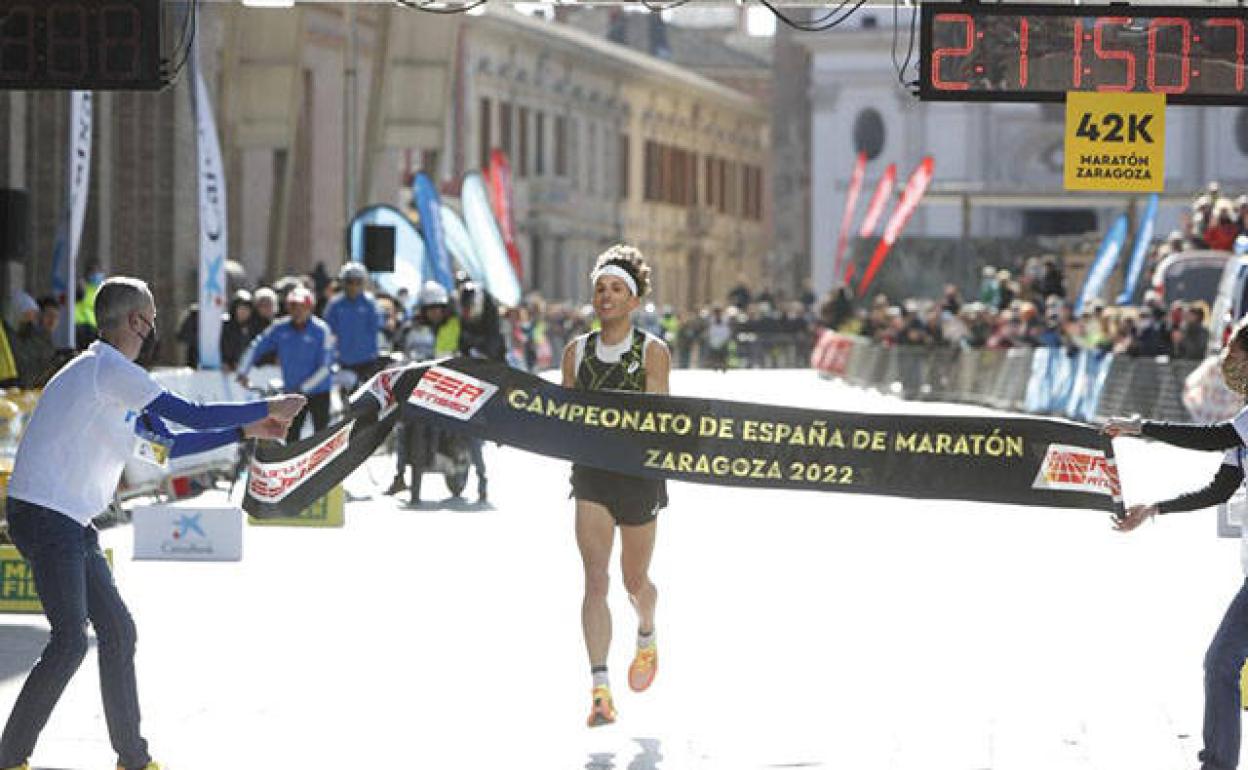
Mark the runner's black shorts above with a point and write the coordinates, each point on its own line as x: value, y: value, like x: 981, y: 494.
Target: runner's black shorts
x: 631, y: 500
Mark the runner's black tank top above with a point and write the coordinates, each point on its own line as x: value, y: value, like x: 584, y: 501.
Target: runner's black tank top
x: 629, y: 373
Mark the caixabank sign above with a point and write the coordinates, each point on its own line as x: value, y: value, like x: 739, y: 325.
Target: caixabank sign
x: 185, y: 533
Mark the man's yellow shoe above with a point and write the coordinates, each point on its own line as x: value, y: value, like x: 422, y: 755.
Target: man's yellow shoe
x: 603, y: 710
x: 644, y: 666
x: 148, y: 766
x: 23, y: 766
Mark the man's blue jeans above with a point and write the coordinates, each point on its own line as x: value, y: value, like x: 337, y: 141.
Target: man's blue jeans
x: 1223, y: 662
x: 74, y: 585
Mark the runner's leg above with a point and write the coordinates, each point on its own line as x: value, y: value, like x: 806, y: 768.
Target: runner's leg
x: 637, y: 547
x: 595, y: 535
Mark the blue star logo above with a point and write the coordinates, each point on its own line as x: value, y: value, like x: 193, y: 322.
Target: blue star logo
x: 214, y: 275
x: 186, y: 524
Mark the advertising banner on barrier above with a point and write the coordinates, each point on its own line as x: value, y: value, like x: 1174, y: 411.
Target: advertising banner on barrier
x: 991, y: 459
x: 17, y: 583
x: 182, y: 532
x: 831, y: 354
x: 328, y: 511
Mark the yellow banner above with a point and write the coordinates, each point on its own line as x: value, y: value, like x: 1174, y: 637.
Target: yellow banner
x: 326, y: 512
x: 1115, y: 141
x: 17, y: 584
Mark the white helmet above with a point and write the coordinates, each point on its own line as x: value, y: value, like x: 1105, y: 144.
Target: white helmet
x: 433, y: 293
x: 352, y: 271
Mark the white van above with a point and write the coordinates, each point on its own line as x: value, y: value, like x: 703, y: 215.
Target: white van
x: 1190, y: 276
x: 1231, y: 302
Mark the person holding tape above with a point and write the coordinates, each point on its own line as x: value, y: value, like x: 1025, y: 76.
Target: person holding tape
x: 617, y: 357
x: 97, y: 411
x: 1228, y: 651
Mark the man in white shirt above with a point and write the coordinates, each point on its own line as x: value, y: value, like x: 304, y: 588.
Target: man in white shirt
x: 93, y: 415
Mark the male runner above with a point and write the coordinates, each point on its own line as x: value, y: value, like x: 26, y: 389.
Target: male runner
x: 617, y: 357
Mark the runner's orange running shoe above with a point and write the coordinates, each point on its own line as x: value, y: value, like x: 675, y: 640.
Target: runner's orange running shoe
x: 603, y: 712
x: 643, y: 668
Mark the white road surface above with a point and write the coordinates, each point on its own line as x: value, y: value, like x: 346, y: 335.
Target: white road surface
x: 796, y: 630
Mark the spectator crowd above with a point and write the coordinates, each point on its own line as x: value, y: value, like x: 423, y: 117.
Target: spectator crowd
x: 1028, y: 305
x: 1031, y: 307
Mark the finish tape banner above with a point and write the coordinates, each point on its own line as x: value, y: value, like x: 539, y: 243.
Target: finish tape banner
x: 986, y: 459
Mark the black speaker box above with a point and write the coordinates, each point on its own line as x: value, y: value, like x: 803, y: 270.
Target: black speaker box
x: 379, y: 248
x: 14, y: 225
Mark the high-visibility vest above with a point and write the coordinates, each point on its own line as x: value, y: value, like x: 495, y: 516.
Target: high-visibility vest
x: 84, y: 308
x: 8, y: 366
x: 446, y: 343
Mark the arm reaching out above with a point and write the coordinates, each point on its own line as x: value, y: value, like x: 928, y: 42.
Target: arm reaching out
x: 1218, y: 435
x: 1219, y: 490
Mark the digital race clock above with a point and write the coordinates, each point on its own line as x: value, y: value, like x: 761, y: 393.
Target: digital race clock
x: 1034, y: 53
x: 80, y: 44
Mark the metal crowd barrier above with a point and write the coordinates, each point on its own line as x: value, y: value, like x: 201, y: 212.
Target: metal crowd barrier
x: 772, y: 350
x: 1083, y: 385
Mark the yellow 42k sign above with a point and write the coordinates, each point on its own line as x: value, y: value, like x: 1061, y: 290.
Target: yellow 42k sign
x: 1115, y: 141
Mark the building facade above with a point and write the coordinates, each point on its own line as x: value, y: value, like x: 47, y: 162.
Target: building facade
x: 608, y: 144
x: 325, y: 108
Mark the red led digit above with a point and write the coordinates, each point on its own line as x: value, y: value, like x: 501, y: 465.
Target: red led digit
x: 67, y: 41
x: 941, y: 53
x: 1113, y: 55
x: 1077, y: 62
x: 1185, y: 56
x: 1238, y: 24
x: 1022, y: 52
x: 120, y: 36
x: 17, y: 43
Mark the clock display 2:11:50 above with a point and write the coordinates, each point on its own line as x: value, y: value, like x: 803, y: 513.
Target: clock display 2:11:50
x: 1056, y: 53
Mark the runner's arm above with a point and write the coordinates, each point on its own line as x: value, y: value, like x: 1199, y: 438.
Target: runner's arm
x: 1219, y: 435
x: 569, y: 365
x: 1224, y: 484
x: 658, y: 367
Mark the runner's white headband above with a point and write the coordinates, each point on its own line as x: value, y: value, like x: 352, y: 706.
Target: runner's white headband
x: 618, y: 272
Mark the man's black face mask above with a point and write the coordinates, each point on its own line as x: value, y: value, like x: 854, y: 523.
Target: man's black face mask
x: 147, y: 353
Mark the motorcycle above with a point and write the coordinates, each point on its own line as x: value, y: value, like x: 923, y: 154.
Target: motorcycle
x: 432, y: 450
